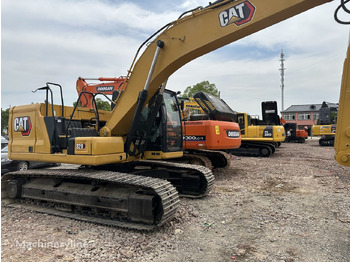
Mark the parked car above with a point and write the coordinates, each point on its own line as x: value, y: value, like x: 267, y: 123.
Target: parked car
x: 4, y: 142
x: 19, y: 165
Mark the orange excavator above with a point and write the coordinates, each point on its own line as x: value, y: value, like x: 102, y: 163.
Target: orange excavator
x: 204, y: 138
x: 210, y: 132
x: 113, y: 87
x: 293, y: 134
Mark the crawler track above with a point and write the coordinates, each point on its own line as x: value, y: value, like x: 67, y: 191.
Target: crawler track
x: 326, y: 141
x: 191, y: 181
x: 254, y: 149
x: 103, y: 197
x: 193, y: 159
x: 295, y: 140
x: 218, y: 159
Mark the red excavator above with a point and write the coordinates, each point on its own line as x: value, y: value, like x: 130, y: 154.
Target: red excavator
x: 293, y: 134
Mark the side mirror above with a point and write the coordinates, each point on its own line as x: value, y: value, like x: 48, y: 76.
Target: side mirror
x: 182, y: 105
x: 115, y: 95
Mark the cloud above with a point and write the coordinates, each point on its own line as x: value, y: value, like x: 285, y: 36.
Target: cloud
x: 59, y: 41
x: 247, y: 71
x: 190, y: 4
x: 88, y: 14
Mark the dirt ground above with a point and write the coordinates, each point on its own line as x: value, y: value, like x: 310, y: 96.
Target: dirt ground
x: 293, y: 206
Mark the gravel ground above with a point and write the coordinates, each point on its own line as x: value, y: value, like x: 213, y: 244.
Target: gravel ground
x: 293, y: 206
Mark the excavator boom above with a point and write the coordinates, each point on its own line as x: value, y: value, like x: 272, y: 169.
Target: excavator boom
x: 195, y: 34
x: 342, y: 136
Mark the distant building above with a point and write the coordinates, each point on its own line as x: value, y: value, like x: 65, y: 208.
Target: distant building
x: 305, y: 115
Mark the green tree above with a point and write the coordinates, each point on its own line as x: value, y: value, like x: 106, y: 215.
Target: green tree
x: 103, y: 105
x: 4, y: 120
x: 334, y: 116
x: 203, y: 86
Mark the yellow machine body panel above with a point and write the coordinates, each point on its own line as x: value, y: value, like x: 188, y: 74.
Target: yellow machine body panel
x: 28, y: 131
x: 98, y: 145
x: 259, y: 133
x: 265, y: 133
x: 323, y: 130
x: 162, y: 155
x: 30, y: 138
x: 190, y: 106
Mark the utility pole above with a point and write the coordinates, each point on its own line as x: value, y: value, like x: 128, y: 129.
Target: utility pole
x: 282, y: 78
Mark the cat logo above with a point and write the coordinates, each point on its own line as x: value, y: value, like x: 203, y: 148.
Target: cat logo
x: 22, y: 124
x: 239, y: 14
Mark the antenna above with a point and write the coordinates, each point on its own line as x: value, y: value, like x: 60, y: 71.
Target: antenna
x: 282, y: 77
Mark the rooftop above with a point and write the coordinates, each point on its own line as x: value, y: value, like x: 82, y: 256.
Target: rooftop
x: 308, y: 107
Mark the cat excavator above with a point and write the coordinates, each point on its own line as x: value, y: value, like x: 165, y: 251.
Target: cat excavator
x: 130, y: 186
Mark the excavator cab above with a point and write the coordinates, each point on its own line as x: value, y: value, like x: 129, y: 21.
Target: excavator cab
x: 214, y: 107
x: 269, y: 113
x: 242, y: 122
x: 166, y: 131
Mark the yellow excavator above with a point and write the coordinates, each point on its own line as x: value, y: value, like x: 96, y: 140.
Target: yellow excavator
x: 327, y: 133
x: 325, y: 128
x: 129, y: 186
x: 258, y: 140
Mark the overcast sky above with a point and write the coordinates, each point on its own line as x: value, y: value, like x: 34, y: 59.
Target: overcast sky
x: 60, y: 40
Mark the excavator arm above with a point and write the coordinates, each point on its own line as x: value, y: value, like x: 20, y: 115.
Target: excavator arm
x: 194, y: 34
x: 113, y: 85
x: 342, y: 136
